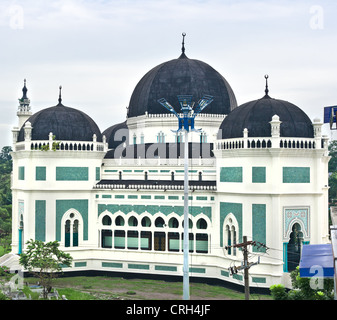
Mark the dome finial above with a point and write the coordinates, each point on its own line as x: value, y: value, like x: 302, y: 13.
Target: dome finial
x: 266, y: 90
x: 60, y: 97
x: 183, y: 43
x: 24, y: 90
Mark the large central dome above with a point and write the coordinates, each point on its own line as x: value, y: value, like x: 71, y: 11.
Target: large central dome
x: 179, y: 77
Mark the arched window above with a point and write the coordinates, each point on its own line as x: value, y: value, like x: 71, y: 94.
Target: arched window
x: 71, y: 231
x: 173, y: 223
x: 231, y: 234
x: 294, y: 247
x: 159, y: 222
x: 201, y: 224
x: 133, y: 222
x: 146, y: 222
x: 106, y: 221
x: 119, y: 221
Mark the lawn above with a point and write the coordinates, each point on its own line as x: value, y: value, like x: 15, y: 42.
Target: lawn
x: 85, y: 288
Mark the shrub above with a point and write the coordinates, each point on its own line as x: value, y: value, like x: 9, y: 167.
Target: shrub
x: 278, y: 292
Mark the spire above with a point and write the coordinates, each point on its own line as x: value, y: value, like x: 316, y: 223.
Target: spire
x: 183, y: 47
x: 266, y: 90
x: 24, y: 109
x: 60, y: 97
x: 183, y: 43
x: 24, y: 90
x: 24, y: 101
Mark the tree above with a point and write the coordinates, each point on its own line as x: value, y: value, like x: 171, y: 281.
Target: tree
x: 44, y: 260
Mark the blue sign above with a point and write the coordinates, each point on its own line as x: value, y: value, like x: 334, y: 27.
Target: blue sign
x: 330, y: 115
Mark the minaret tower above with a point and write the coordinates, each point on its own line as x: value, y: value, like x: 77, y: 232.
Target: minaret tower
x: 24, y: 110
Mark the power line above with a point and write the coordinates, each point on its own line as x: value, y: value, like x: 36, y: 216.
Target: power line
x: 245, y: 265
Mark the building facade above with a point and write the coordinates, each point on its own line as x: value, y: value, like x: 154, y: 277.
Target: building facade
x: 114, y: 199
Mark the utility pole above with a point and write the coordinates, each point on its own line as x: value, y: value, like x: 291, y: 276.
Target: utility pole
x: 245, y: 265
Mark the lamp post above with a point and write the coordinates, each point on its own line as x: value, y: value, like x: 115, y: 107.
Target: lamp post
x: 186, y: 123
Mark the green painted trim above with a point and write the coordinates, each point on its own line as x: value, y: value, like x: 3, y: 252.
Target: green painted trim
x: 154, y: 209
x: 165, y: 268
x: 197, y: 270
x: 201, y: 198
x: 98, y: 173
x: 237, y: 276
x: 259, y: 225
x: 224, y: 273
x: 145, y: 197
x: 159, y: 197
x: 72, y: 173
x: 258, y: 174
x: 21, y: 173
x: 296, y: 174
x: 259, y: 280
x: 107, y: 196
x: 236, y: 210
x: 62, y: 206
x: 173, y: 197
x: 285, y: 256
x: 40, y: 173
x: 119, y: 196
x: 80, y: 264
x: 231, y: 174
x: 40, y: 220
x: 112, y: 265
x: 139, y: 266
x: 131, y: 196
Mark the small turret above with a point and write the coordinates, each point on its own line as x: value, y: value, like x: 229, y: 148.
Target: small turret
x: 24, y: 110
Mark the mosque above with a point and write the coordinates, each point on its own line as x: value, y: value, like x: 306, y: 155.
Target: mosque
x: 114, y: 198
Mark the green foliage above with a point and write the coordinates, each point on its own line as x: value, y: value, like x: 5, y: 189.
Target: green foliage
x: 304, y: 288
x: 333, y: 154
x: 278, y: 292
x: 44, y: 260
x: 5, y: 198
x: 55, y: 145
x: 5, y: 272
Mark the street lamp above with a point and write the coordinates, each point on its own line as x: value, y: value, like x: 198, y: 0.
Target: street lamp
x: 186, y: 123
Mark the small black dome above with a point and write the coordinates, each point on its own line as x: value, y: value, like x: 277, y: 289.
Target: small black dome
x: 256, y: 115
x: 116, y: 134
x: 180, y: 77
x: 65, y: 123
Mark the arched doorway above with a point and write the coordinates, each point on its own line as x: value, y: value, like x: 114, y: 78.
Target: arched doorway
x: 294, y: 247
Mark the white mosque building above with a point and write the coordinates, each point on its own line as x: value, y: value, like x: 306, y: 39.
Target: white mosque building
x: 114, y: 198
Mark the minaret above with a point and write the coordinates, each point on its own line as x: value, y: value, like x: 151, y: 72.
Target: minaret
x: 24, y: 111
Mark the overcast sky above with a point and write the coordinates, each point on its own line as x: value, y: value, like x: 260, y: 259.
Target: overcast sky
x: 99, y: 50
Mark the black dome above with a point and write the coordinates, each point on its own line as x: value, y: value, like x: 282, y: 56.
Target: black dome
x: 116, y: 134
x: 256, y: 115
x: 179, y: 77
x: 64, y: 122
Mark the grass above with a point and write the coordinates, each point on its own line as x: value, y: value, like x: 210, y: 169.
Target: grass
x: 114, y: 288
x: 139, y: 289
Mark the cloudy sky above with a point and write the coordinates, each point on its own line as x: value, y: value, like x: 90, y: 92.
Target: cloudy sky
x: 99, y: 50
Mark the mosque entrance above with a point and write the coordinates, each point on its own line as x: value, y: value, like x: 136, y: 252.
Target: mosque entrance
x: 294, y: 247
